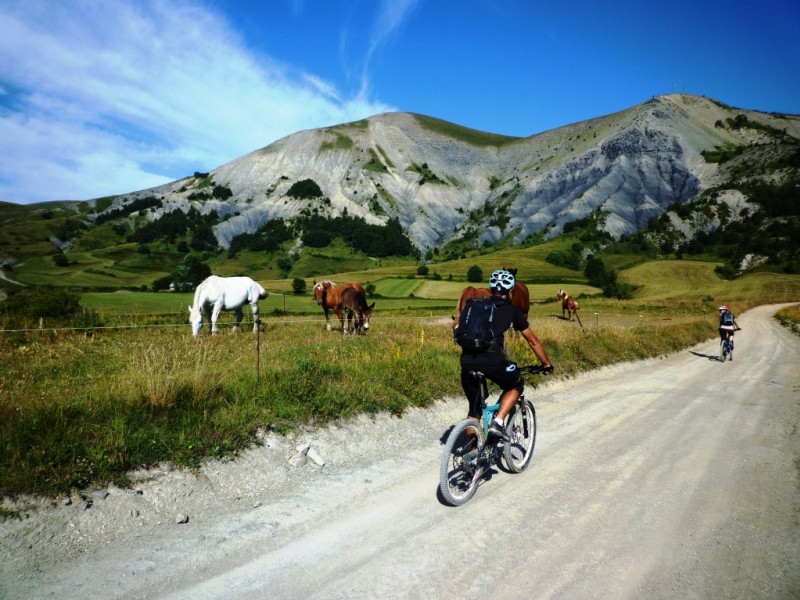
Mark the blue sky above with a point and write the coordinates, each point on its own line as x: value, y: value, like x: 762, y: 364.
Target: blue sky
x: 100, y: 97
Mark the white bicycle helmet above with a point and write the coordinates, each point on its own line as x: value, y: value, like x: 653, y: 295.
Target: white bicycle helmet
x: 502, y: 281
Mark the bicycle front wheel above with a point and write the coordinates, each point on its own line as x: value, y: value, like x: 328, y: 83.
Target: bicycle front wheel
x: 521, y: 428
x: 459, y: 472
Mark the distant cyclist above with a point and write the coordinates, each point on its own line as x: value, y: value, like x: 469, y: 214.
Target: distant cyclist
x: 727, y: 324
x: 493, y: 362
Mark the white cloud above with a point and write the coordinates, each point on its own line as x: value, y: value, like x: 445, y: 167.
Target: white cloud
x: 390, y: 17
x: 101, y: 98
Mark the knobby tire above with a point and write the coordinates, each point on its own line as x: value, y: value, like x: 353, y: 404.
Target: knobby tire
x: 459, y: 477
x: 725, y: 352
x: 521, y: 428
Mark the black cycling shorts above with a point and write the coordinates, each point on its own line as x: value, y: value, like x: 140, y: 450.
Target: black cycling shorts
x: 506, y: 376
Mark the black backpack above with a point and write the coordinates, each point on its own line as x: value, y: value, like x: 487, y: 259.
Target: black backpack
x: 474, y: 332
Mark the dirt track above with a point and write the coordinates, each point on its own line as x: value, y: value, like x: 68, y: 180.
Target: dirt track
x: 669, y: 478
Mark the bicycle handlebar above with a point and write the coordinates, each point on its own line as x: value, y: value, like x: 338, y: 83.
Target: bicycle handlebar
x: 536, y: 369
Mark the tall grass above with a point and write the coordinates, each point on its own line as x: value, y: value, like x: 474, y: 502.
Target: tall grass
x: 790, y: 318
x: 78, y: 410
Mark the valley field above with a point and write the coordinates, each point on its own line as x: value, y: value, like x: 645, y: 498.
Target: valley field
x: 83, y: 406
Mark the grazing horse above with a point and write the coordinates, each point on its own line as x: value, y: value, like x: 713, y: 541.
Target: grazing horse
x: 327, y: 295
x: 355, y: 303
x: 569, y: 305
x: 216, y: 294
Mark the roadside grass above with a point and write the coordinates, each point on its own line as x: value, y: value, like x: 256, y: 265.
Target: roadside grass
x: 790, y: 318
x: 77, y: 410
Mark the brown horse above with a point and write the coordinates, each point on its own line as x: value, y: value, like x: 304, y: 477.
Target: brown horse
x: 354, y: 302
x: 327, y: 294
x: 520, y: 297
x: 569, y: 305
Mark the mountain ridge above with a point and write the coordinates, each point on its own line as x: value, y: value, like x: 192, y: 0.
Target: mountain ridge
x: 444, y: 182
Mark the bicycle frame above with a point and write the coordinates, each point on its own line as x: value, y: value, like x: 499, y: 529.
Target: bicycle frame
x: 488, y: 410
x: 463, y: 465
x: 487, y: 415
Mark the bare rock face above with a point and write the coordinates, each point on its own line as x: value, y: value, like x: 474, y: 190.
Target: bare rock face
x: 442, y: 181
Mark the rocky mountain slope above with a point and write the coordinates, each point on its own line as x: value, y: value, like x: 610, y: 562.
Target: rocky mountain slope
x: 444, y: 182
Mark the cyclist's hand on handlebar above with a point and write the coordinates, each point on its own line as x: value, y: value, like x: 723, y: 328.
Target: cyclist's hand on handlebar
x: 542, y: 370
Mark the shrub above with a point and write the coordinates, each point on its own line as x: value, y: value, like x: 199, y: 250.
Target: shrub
x: 58, y: 305
x: 298, y: 285
x: 267, y: 239
x: 474, y: 274
x: 306, y: 188
x: 221, y: 192
x: 162, y: 283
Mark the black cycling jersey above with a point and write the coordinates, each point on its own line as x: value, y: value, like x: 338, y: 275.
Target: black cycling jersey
x: 493, y: 362
x: 506, y: 316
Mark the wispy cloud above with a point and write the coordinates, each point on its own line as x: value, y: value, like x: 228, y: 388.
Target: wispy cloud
x: 99, y: 98
x: 391, y: 15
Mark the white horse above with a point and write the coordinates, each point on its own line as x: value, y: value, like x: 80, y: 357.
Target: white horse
x: 224, y: 293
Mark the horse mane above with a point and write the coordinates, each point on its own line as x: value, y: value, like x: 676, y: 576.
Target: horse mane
x: 323, y: 285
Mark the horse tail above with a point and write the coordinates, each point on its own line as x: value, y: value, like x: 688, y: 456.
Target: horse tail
x: 197, y: 301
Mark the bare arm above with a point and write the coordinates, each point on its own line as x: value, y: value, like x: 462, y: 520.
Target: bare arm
x: 536, y: 346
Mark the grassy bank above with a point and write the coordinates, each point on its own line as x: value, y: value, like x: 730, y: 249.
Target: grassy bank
x: 79, y: 409
x: 790, y: 318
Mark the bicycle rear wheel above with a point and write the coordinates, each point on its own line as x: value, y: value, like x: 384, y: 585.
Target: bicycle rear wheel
x: 521, y: 428
x: 459, y: 472
x: 725, y: 350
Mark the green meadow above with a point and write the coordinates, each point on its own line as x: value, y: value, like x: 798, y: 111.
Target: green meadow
x: 83, y: 407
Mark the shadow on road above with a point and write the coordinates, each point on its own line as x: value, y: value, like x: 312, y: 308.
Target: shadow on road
x: 715, y: 357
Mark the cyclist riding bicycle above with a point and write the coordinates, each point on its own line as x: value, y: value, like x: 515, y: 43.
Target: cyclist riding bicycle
x: 727, y: 324
x: 493, y: 362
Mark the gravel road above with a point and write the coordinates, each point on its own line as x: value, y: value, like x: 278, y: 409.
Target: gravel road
x: 668, y: 478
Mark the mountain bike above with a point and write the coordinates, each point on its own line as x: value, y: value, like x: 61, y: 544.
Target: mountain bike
x: 469, y: 452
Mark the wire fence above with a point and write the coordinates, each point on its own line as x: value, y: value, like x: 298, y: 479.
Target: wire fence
x: 245, y: 324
